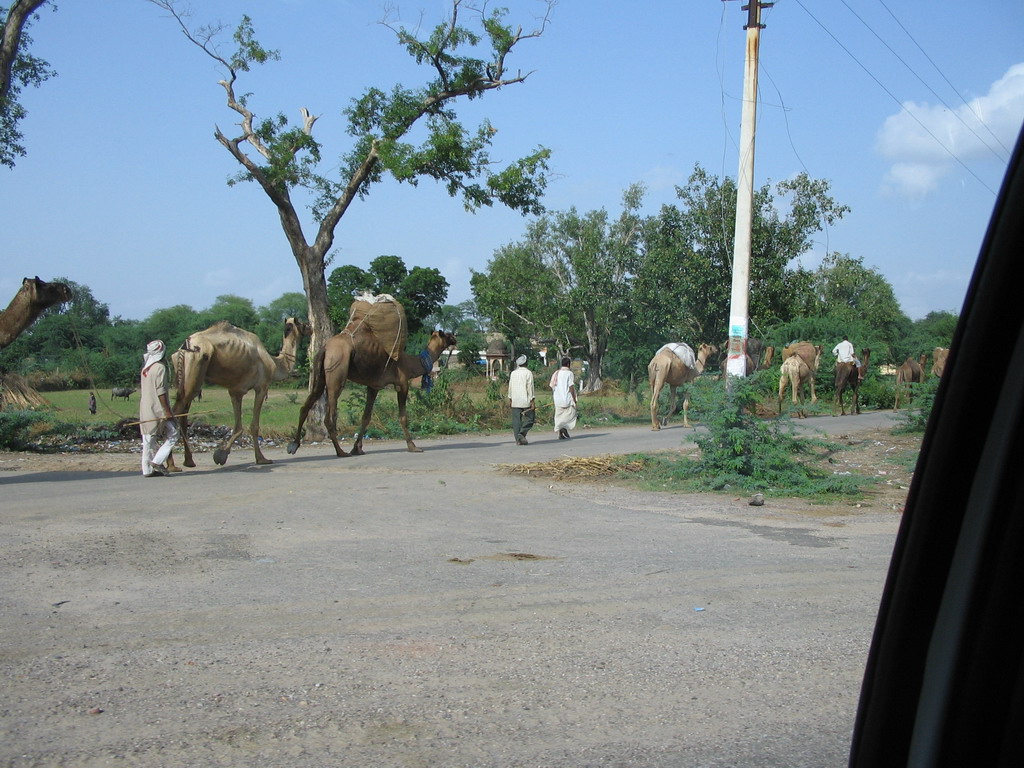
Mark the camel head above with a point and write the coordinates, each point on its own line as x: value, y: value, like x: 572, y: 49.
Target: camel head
x: 704, y: 351
x: 293, y: 325
x: 45, y: 294
x: 441, y: 340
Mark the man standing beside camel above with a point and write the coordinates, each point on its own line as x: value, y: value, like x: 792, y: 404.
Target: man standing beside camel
x: 155, y: 414
x: 522, y: 400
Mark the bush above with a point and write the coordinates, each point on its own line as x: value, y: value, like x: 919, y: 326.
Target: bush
x: 914, y: 419
x: 16, y: 427
x: 740, y: 451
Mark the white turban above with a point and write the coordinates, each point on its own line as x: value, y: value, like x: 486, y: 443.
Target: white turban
x: 521, y: 360
x: 154, y: 353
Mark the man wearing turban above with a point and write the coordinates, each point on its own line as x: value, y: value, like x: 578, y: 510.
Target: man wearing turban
x: 521, y: 398
x: 156, y: 419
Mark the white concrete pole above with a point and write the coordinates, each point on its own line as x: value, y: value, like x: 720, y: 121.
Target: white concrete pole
x: 739, y: 310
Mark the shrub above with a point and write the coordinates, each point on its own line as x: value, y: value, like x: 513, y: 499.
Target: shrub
x: 16, y: 427
x: 740, y: 451
x: 914, y: 419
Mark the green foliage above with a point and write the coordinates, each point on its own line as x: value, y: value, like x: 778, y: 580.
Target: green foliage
x: 79, y: 345
x: 17, y: 426
x: 421, y: 290
x: 914, y: 419
x: 740, y: 451
x: 567, y: 280
x: 236, y: 310
x: 695, y: 239
x: 933, y: 330
x: 26, y: 70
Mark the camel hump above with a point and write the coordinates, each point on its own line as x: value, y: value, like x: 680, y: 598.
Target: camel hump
x: 681, y: 350
x: 384, y: 317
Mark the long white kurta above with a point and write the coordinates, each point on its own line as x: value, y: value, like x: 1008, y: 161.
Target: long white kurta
x: 562, y: 383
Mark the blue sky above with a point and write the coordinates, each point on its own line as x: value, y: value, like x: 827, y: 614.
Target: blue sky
x: 124, y: 187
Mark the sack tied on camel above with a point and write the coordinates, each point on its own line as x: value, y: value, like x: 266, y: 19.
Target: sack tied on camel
x: 383, y: 316
x: 682, y: 351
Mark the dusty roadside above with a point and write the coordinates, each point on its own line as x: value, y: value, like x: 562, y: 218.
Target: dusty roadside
x: 429, y: 610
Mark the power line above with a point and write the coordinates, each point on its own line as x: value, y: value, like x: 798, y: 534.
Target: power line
x: 910, y: 69
x: 916, y: 119
x: 943, y: 76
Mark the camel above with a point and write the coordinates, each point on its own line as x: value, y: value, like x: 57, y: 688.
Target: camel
x: 29, y: 302
x: 236, y: 360
x: 797, y: 373
x: 811, y: 355
x: 357, y: 355
x: 848, y: 375
x: 908, y: 374
x: 668, y: 368
x: 939, y: 356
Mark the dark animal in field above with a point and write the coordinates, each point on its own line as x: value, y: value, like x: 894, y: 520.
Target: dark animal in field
x: 122, y: 392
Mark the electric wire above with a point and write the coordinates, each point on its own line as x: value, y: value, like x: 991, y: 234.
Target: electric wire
x: 881, y: 85
x: 943, y: 76
x: 1002, y: 158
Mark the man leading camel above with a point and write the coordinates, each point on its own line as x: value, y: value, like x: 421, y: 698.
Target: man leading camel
x: 155, y: 414
x: 845, y: 353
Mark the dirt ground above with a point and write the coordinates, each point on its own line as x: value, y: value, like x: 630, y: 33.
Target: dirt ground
x: 410, y: 610
x: 878, y: 454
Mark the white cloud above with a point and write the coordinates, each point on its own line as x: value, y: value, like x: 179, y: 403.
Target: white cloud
x: 924, y: 141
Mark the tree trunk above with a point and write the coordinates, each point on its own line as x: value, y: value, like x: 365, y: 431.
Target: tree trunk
x: 596, y: 345
x: 311, y: 265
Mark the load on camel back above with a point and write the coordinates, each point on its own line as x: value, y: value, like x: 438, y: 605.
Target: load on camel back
x: 383, y: 316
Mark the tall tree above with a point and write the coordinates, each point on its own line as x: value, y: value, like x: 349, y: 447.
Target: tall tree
x: 683, y: 285
x: 18, y: 69
x: 568, y: 280
x: 281, y: 157
x: 237, y: 310
x: 843, y: 288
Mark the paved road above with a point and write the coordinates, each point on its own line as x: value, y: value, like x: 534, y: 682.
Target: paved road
x: 405, y: 609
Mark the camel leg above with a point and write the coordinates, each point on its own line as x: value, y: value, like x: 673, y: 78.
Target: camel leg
x: 220, y: 456
x: 686, y: 408
x: 316, y: 391
x: 403, y: 418
x: 182, y: 413
x: 331, y: 413
x: 671, y: 406
x: 254, y: 426
x: 655, y: 394
x: 782, y: 391
x: 311, y: 398
x: 371, y: 398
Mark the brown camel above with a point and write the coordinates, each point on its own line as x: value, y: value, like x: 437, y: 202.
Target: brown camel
x: 939, y: 356
x: 32, y: 298
x: 811, y: 355
x: 908, y: 374
x: 849, y: 376
x: 796, y: 373
x: 668, y: 368
x: 236, y: 360
x: 357, y: 355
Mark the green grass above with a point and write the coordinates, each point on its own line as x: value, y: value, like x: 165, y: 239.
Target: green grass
x: 469, y: 406
x: 278, y: 418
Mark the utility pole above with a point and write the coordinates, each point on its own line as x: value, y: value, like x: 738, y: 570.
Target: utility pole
x: 739, y: 314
